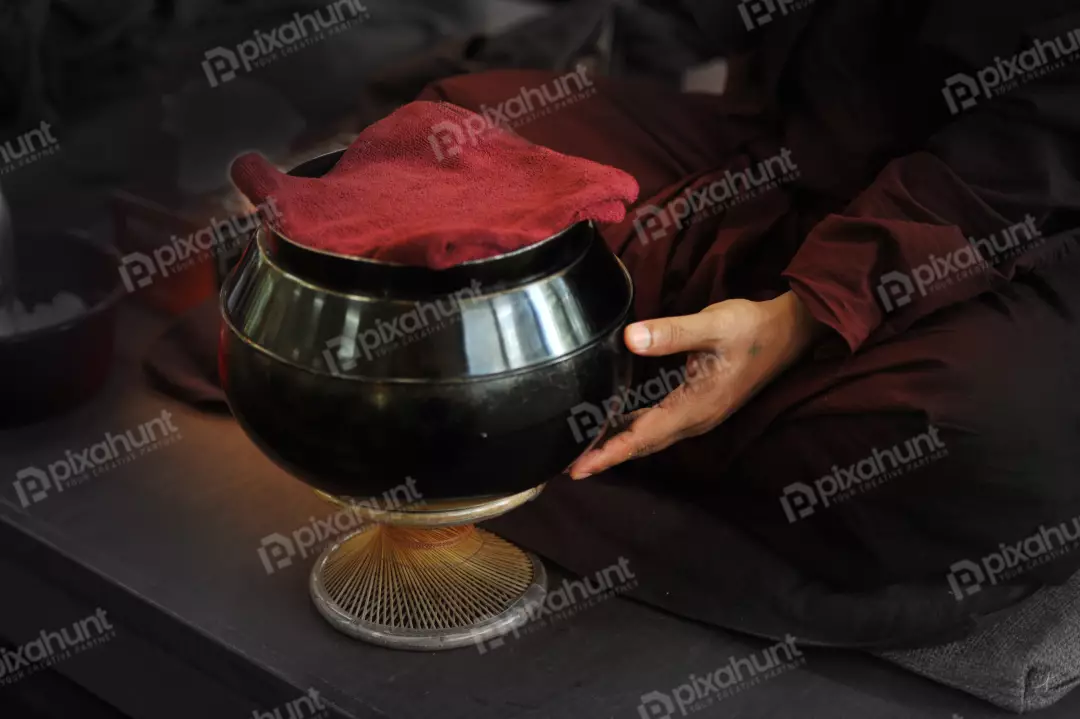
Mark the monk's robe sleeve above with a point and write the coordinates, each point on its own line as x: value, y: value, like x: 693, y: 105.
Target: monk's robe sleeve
x: 954, y: 220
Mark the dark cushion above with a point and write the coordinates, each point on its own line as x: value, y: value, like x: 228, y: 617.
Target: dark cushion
x: 1027, y: 661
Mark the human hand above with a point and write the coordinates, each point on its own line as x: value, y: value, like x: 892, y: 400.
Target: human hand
x: 737, y: 347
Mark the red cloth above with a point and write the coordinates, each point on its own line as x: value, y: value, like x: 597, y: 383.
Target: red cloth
x: 435, y: 185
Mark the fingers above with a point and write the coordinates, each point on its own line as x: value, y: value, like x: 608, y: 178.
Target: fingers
x: 679, y: 416
x: 669, y: 335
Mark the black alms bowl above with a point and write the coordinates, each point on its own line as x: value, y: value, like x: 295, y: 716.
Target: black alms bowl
x: 479, y: 380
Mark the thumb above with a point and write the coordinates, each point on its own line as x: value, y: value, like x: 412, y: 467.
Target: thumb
x: 672, y: 335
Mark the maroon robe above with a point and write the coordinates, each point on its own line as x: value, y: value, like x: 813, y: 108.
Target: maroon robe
x: 889, y: 178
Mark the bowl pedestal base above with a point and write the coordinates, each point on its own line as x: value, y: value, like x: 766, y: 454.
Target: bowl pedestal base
x: 428, y: 578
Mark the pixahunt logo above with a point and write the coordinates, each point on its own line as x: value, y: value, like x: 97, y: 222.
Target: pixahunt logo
x: 587, y: 420
x: 309, y: 706
x: 701, y: 692
x: 896, y: 289
x: 27, y: 148
x: 33, y: 484
x: 756, y: 13
x: 52, y: 647
x: 734, y: 188
x: 222, y: 64
x: 962, y: 91
x: 278, y: 551
x: 841, y: 484
x: 423, y: 320
x: 1041, y: 547
x: 570, y: 598
x: 447, y: 139
x: 138, y: 270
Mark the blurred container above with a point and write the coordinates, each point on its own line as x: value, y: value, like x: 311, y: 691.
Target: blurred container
x: 51, y: 370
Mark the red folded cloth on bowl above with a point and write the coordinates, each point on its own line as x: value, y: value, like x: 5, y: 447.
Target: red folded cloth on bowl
x: 435, y: 185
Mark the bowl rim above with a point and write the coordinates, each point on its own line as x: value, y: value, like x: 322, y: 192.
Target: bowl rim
x: 259, y: 240
x: 337, y: 155
x: 468, y: 263
x: 113, y: 297
x: 601, y: 336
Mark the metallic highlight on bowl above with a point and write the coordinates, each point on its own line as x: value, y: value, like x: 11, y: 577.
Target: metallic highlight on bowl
x: 355, y: 375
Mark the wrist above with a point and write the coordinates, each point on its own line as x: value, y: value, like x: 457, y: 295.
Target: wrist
x: 794, y: 322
